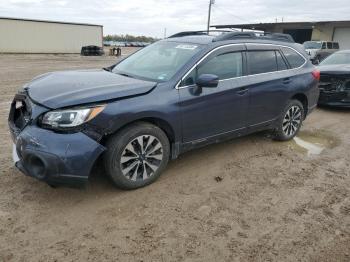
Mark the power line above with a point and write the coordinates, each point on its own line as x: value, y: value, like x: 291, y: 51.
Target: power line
x: 228, y: 12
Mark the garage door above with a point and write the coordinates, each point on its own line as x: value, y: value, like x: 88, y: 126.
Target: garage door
x: 342, y: 35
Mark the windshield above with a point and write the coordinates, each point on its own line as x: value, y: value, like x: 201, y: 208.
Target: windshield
x: 337, y: 59
x: 312, y: 45
x: 158, y: 62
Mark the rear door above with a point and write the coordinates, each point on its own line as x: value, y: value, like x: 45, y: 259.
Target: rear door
x: 209, y: 112
x: 267, y: 83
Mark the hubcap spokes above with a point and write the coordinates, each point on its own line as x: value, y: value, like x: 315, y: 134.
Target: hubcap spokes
x: 141, y: 157
x: 292, y: 121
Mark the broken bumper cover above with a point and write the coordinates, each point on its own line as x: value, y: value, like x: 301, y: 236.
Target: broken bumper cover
x: 56, y: 158
x: 335, y: 99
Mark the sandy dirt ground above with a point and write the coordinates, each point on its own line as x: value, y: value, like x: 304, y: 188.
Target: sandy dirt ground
x: 249, y: 199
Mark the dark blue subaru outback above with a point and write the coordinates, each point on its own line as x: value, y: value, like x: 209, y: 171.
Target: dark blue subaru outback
x: 177, y: 94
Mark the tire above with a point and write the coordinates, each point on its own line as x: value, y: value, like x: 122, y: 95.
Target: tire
x: 288, y: 128
x: 131, y: 165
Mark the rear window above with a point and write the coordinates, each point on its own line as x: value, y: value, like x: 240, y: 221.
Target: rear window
x: 335, y: 45
x: 294, y: 59
x: 262, y: 62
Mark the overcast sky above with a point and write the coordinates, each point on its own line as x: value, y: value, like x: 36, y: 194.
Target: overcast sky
x: 150, y: 17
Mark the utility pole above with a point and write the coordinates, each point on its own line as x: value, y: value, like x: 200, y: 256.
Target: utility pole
x: 211, y: 2
x: 164, y: 32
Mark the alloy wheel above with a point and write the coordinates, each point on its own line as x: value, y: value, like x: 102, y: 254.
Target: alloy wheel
x: 141, y: 157
x: 292, y: 121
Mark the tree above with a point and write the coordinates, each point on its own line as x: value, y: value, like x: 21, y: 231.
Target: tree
x: 129, y: 38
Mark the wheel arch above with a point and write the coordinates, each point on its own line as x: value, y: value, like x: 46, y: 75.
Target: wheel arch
x: 302, y: 98
x: 159, y: 122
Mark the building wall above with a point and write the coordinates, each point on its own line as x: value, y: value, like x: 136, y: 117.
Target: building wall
x: 324, y: 32
x: 21, y: 36
x: 334, y: 31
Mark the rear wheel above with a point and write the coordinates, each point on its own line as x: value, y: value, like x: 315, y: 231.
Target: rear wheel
x: 290, y: 121
x: 137, y: 155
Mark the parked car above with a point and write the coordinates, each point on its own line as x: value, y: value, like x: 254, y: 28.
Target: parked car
x: 107, y: 43
x: 335, y: 80
x: 170, y: 97
x: 319, y: 50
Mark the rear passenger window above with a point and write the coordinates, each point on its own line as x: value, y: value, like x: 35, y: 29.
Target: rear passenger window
x: 261, y: 62
x: 329, y: 45
x: 335, y: 45
x: 281, y: 65
x: 294, y: 59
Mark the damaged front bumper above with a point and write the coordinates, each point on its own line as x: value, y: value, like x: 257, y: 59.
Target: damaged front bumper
x: 56, y: 158
x: 52, y: 157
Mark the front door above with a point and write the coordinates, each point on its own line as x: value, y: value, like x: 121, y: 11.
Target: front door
x: 208, y: 112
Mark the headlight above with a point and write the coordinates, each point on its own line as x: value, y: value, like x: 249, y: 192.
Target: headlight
x: 70, y: 117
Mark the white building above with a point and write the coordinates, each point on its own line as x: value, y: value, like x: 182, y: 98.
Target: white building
x: 39, y: 36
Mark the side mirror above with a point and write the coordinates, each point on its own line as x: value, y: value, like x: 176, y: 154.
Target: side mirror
x: 207, y: 80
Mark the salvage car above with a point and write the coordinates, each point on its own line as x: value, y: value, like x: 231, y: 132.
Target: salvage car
x: 319, y: 50
x: 335, y: 80
x: 172, y: 96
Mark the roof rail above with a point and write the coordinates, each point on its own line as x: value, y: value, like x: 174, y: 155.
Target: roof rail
x: 193, y: 33
x: 235, y: 35
x: 279, y: 36
x: 252, y: 35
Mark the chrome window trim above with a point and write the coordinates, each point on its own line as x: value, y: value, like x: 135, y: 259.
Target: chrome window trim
x: 247, y: 44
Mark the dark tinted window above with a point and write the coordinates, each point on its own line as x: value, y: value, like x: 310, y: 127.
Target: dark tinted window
x: 335, y: 45
x: 224, y: 66
x: 261, y: 62
x: 329, y: 45
x: 294, y: 59
x: 324, y: 45
x: 281, y: 65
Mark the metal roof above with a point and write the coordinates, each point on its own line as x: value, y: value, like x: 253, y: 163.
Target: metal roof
x: 260, y: 26
x: 46, y: 21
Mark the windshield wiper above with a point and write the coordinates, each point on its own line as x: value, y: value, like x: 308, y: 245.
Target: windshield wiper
x: 109, y: 69
x: 125, y: 74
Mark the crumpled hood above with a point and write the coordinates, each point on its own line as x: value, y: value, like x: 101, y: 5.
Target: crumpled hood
x: 335, y: 69
x: 69, y: 88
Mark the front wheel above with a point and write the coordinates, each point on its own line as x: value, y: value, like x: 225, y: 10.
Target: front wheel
x: 290, y: 121
x: 137, y: 155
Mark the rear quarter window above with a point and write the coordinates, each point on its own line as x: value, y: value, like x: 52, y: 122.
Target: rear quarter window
x: 294, y: 59
x: 335, y: 45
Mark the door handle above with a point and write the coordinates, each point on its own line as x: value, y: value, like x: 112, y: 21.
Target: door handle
x: 287, y: 80
x: 242, y: 91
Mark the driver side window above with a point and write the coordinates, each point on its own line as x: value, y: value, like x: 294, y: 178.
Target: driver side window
x: 225, y: 66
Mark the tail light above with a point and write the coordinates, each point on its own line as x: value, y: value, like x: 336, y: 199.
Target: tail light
x: 316, y: 74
